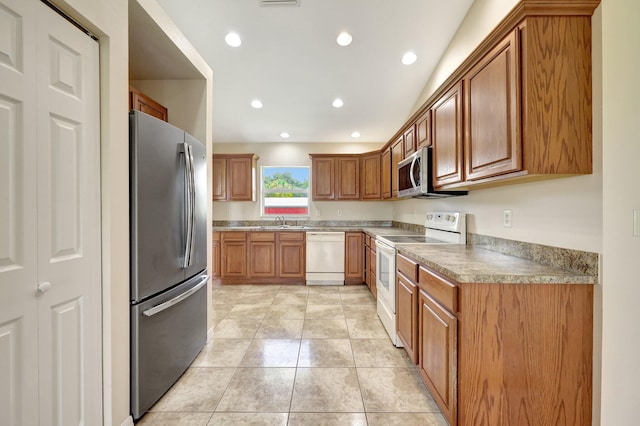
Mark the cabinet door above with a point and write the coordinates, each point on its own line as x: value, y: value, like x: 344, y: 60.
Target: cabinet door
x: 219, y: 179
x: 215, y: 261
x: 323, y: 178
x: 241, y: 179
x: 438, y: 354
x: 353, y: 258
x: 233, y: 259
x: 423, y: 130
x: 407, y: 315
x: 348, y: 178
x: 492, y: 113
x: 291, y: 255
x: 370, y: 177
x: 409, y: 141
x: 262, y: 259
x: 447, y: 138
x: 141, y: 102
x: 386, y: 173
x: 397, y: 155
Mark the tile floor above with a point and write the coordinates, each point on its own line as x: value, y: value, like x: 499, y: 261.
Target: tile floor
x: 297, y: 355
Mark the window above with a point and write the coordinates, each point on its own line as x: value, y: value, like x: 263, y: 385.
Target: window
x: 285, y: 191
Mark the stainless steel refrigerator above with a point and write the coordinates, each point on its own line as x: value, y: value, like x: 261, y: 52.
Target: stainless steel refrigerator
x: 168, y: 256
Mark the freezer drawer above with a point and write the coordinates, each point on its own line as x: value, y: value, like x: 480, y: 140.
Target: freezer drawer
x: 167, y: 332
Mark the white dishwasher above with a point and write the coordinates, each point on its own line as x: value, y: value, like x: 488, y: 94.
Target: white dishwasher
x: 325, y: 258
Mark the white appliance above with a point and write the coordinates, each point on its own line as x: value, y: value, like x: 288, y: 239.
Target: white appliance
x: 325, y: 258
x: 415, y: 178
x: 440, y: 228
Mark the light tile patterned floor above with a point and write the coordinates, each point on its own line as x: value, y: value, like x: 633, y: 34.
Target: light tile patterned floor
x: 297, y: 355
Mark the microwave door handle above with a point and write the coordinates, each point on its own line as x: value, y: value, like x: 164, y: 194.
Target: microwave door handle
x: 413, y: 162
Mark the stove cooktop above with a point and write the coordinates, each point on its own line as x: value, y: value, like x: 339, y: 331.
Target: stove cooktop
x: 411, y: 239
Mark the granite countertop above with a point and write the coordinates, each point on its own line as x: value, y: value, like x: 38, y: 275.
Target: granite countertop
x: 472, y: 264
x: 462, y: 263
x: 371, y: 230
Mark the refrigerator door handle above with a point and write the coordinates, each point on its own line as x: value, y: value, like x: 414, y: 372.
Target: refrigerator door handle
x: 174, y: 301
x: 188, y: 206
x: 193, y: 205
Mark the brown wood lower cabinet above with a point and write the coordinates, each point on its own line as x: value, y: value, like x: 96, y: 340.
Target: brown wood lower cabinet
x: 233, y: 255
x: 260, y: 257
x: 353, y: 258
x: 502, y: 354
x: 291, y: 255
x: 407, y: 305
x: 437, y: 354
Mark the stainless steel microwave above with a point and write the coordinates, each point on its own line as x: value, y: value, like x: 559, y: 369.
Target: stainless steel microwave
x: 415, y: 178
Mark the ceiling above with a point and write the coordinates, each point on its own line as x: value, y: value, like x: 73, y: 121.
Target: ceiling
x: 289, y: 60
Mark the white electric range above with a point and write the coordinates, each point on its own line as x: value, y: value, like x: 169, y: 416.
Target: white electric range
x: 440, y: 228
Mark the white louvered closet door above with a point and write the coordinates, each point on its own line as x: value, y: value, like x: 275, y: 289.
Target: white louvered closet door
x: 50, y: 279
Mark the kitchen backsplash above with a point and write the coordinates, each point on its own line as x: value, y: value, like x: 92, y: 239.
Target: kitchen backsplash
x: 574, y: 260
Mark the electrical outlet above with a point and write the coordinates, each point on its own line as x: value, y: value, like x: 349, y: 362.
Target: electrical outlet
x: 317, y: 212
x: 507, y: 219
x: 339, y: 212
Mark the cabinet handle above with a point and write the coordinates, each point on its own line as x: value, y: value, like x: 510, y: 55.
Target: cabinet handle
x: 44, y: 287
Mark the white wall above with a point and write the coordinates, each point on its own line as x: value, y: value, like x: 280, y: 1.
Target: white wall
x: 294, y: 154
x: 621, y: 288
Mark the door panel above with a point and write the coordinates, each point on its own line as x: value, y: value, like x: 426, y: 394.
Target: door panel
x: 200, y: 234
x: 68, y: 211
x: 18, y: 223
x: 156, y: 230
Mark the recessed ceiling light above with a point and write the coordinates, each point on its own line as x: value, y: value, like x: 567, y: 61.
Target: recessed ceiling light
x: 233, y: 39
x: 355, y: 134
x: 256, y: 104
x: 344, y: 39
x: 337, y: 103
x: 284, y: 135
x: 409, y: 58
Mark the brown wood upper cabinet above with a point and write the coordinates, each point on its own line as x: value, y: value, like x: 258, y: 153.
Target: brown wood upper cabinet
x: 141, y: 102
x: 446, y: 116
x: 386, y: 173
x: 335, y: 177
x: 423, y: 130
x: 370, y: 176
x: 234, y: 177
x: 397, y: 155
x: 492, y: 113
x: 409, y: 141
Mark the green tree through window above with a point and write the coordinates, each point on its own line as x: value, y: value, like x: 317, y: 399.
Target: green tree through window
x: 285, y: 191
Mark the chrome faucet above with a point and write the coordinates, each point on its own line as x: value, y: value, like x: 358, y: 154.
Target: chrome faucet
x: 281, y: 218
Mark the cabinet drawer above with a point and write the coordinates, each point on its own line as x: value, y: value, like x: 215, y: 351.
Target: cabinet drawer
x: 291, y: 236
x: 439, y: 289
x: 262, y: 236
x: 234, y: 236
x: 216, y: 236
x: 407, y: 267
